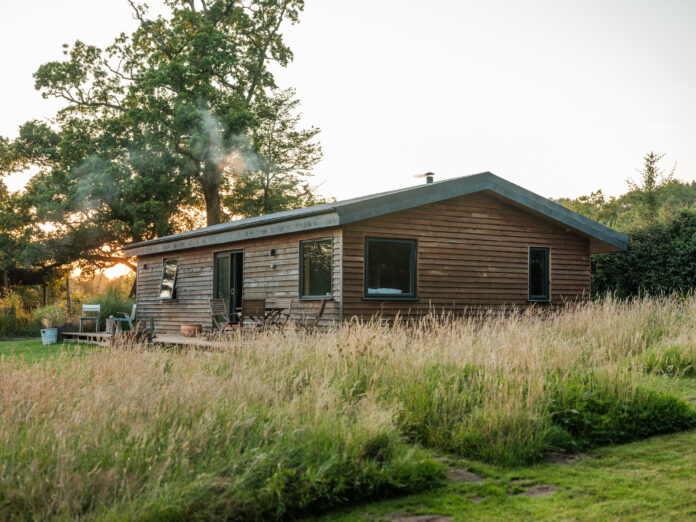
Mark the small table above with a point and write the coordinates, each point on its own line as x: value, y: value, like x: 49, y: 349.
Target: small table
x: 271, y: 315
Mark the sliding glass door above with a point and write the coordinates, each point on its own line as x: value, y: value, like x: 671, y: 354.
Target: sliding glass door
x: 228, y: 280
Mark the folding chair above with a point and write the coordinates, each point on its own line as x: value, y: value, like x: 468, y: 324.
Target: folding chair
x: 218, y: 311
x: 255, y: 310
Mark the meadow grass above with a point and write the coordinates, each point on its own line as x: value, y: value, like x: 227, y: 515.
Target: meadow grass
x: 280, y: 424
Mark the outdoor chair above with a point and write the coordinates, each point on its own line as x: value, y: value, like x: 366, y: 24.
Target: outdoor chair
x: 309, y: 320
x: 127, y: 318
x: 254, y: 310
x: 90, y: 312
x: 281, y: 319
x: 219, y: 314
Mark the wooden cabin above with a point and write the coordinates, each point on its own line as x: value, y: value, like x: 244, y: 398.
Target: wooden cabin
x: 452, y: 245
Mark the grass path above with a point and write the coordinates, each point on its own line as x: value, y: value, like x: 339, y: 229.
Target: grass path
x: 647, y: 480
x: 34, y: 350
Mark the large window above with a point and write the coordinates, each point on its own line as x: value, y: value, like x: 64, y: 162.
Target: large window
x: 315, y: 268
x: 539, y: 274
x: 390, y: 268
x: 168, y: 285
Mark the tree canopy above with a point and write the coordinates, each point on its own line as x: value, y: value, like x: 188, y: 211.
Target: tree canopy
x: 157, y: 130
x: 658, y: 213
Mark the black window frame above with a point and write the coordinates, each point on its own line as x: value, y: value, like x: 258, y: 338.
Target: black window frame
x: 329, y: 295
x: 176, y: 276
x: 540, y: 298
x: 413, y: 295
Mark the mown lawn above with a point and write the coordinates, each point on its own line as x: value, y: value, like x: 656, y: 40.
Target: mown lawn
x: 34, y: 350
x: 654, y: 479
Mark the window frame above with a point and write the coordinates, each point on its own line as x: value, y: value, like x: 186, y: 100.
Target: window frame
x: 534, y: 298
x: 411, y: 296
x: 328, y: 295
x: 176, y: 276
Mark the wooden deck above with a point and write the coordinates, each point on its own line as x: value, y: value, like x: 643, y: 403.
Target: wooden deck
x: 170, y: 340
x: 86, y: 336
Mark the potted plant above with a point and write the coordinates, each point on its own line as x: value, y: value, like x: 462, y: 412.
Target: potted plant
x: 51, y: 316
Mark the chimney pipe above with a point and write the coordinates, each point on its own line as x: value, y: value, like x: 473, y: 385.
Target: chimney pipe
x: 429, y: 177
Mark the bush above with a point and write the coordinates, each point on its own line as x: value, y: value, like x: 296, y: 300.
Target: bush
x: 659, y: 259
x: 592, y: 411
x: 15, y: 321
x: 52, y: 316
x: 113, y: 302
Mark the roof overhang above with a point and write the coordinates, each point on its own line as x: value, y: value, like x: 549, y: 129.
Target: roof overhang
x: 602, y: 238
x: 329, y: 219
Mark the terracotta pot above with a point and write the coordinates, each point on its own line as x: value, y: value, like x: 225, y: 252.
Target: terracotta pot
x: 191, y: 330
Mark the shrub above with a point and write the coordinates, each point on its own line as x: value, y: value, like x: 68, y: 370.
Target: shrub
x: 15, y: 321
x: 113, y: 302
x: 594, y: 411
x: 52, y: 315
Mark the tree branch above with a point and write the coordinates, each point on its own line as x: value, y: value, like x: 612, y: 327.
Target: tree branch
x: 146, y: 24
x: 262, y: 55
x: 113, y: 260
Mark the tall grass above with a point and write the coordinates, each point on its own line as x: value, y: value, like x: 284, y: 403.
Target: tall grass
x: 277, y: 423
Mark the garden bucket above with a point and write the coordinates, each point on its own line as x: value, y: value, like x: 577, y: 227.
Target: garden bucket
x: 49, y: 335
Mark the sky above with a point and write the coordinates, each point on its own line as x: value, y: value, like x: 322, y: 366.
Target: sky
x: 562, y: 97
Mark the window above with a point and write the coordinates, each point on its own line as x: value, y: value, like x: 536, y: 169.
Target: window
x: 539, y: 274
x: 315, y: 267
x: 168, y: 285
x: 390, y: 268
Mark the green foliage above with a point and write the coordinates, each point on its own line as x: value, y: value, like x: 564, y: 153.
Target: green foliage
x: 113, y: 302
x: 285, y: 155
x: 593, y: 412
x: 52, y: 315
x: 15, y: 320
x: 657, y: 195
x: 646, y: 193
x: 674, y: 361
x: 155, y: 129
x: 659, y: 259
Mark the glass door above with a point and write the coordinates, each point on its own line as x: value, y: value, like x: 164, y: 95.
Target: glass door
x: 228, y: 279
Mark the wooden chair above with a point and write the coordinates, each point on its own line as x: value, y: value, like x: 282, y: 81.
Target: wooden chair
x: 253, y: 309
x: 309, y: 321
x: 282, y: 317
x: 217, y: 312
x: 90, y: 312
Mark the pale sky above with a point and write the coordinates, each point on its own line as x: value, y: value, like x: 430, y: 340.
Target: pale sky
x: 562, y: 97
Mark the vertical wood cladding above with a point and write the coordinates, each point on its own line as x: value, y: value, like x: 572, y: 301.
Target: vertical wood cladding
x: 472, y: 251
x: 194, y: 284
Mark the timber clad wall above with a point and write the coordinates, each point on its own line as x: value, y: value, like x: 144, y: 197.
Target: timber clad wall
x: 472, y: 250
x: 194, y: 284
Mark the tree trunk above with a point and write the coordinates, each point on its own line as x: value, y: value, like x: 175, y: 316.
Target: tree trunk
x: 211, y: 182
x: 67, y: 294
x: 212, y: 204
x: 133, y: 289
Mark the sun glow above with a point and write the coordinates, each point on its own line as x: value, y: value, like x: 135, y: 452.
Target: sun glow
x: 117, y: 271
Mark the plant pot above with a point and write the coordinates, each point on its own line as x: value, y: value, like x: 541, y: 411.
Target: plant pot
x: 191, y: 330
x: 49, y: 335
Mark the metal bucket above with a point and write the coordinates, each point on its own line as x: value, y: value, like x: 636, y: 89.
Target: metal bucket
x: 49, y: 335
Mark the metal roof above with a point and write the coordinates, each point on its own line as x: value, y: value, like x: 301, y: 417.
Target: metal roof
x: 358, y: 209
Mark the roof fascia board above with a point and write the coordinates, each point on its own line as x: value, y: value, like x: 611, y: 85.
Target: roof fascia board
x: 436, y: 192
x: 235, y: 235
x: 558, y: 213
